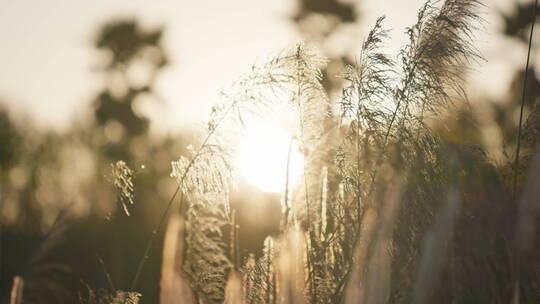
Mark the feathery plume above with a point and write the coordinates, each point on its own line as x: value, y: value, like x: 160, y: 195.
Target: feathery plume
x: 123, y: 184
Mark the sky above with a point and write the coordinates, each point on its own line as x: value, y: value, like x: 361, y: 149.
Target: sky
x: 49, y: 63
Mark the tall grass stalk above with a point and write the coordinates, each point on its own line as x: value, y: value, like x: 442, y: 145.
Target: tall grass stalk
x: 16, y: 296
x: 517, y: 261
x: 522, y: 106
x: 354, y: 230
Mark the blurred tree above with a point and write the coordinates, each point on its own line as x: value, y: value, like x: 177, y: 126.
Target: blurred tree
x: 134, y: 58
x: 319, y: 21
x: 518, y: 26
x: 43, y: 172
x: 10, y: 139
x: 494, y: 118
x: 344, y: 11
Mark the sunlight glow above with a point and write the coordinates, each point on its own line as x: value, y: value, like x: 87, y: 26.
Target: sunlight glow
x: 262, y: 158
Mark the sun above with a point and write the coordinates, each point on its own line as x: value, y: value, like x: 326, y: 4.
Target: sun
x: 263, y: 155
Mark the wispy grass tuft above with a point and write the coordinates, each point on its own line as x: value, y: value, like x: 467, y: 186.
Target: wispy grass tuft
x: 123, y: 184
x: 385, y: 211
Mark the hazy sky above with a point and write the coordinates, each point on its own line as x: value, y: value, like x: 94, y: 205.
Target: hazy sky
x: 47, y: 57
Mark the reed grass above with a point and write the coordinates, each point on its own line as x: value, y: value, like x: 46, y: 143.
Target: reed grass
x: 386, y: 211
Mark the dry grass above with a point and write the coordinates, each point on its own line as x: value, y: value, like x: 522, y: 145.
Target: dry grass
x: 386, y: 211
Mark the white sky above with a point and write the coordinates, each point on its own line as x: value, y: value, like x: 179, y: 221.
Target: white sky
x: 47, y: 56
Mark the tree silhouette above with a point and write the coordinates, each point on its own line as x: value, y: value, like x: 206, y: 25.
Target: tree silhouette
x: 128, y: 47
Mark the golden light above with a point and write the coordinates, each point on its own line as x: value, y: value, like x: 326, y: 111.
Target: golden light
x: 263, y: 156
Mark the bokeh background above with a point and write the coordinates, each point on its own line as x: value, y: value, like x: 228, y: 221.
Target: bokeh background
x: 86, y: 83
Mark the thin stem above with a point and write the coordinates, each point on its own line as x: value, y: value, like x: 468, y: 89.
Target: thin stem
x: 358, y: 156
x: 517, y: 260
x: 107, y: 275
x: 399, y: 94
x: 152, y: 239
x: 268, y: 275
x: 401, y: 97
x: 286, y: 195
x: 518, y: 148
x: 181, y: 203
x: 235, y: 250
x: 308, y: 211
x: 169, y: 204
x: 237, y: 243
